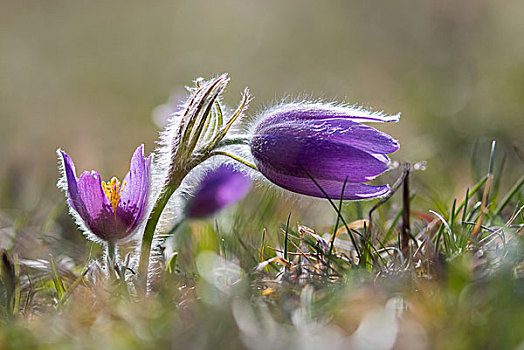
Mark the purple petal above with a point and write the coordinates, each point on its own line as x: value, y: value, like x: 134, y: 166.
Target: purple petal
x: 131, y: 206
x: 318, y: 111
x: 339, y: 130
x: 72, y: 185
x: 99, y: 215
x: 218, y: 189
x: 321, y: 158
x: 91, y: 193
x: 333, y: 188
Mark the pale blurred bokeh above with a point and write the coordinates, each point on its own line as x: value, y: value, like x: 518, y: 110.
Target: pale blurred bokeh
x: 86, y: 75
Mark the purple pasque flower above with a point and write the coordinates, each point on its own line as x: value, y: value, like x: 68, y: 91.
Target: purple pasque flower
x: 109, y: 211
x: 219, y: 188
x: 295, y: 142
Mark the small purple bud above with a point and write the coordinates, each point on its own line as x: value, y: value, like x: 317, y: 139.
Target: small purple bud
x: 219, y: 188
x: 109, y: 211
x: 293, y: 143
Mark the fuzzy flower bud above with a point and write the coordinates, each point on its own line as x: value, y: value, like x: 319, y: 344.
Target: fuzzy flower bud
x: 295, y: 143
x: 196, y: 129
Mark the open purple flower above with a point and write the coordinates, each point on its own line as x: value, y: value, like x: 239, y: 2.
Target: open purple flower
x: 293, y: 143
x: 219, y: 188
x: 110, y: 211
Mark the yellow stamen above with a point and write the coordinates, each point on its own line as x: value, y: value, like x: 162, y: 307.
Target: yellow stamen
x: 113, y: 191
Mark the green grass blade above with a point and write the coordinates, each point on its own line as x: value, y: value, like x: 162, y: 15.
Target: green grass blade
x: 508, y: 196
x: 57, y: 281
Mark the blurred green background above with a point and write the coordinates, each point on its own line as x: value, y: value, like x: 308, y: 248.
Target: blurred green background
x: 86, y: 75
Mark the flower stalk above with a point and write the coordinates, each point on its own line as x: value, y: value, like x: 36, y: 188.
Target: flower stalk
x: 191, y: 137
x: 150, y: 228
x: 111, y: 252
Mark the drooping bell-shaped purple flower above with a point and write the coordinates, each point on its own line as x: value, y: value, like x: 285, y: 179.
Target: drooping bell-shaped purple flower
x: 295, y: 142
x: 219, y: 188
x: 110, y: 211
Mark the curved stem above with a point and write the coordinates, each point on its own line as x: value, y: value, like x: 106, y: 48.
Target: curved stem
x: 149, y: 231
x: 237, y: 158
x: 233, y: 141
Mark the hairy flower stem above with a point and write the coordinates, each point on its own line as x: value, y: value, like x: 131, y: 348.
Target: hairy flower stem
x: 173, y: 183
x: 111, y: 252
x: 149, y: 231
x: 237, y: 158
x: 112, y: 261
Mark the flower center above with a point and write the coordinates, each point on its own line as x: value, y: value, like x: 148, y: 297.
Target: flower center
x: 113, y: 191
